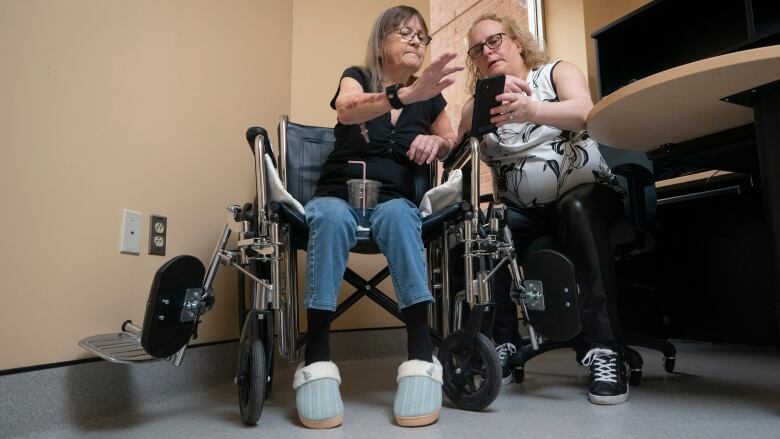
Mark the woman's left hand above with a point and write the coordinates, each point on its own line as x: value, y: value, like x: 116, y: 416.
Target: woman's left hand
x: 424, y: 148
x: 516, y: 103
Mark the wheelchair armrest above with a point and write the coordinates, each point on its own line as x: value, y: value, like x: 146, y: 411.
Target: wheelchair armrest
x: 251, y: 135
x: 466, y: 155
x: 460, y: 157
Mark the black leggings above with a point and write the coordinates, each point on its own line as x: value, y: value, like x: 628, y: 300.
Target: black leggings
x: 578, y: 226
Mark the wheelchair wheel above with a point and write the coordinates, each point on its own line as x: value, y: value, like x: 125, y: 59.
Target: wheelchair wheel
x: 472, y: 374
x: 252, y: 380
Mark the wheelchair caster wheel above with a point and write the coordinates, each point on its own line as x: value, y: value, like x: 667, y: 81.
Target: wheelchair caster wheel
x: 669, y: 364
x: 252, y: 380
x: 635, y: 377
x: 472, y: 373
x: 519, y: 374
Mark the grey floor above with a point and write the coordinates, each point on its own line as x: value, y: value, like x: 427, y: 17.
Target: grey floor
x: 719, y: 392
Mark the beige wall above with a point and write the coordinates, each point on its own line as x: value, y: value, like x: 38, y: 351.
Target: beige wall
x: 327, y: 38
x: 563, y: 21
x: 111, y: 104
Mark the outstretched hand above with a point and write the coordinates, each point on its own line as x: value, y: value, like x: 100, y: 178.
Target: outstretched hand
x: 435, y: 78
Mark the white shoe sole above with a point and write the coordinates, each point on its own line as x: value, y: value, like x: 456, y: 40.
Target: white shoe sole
x: 608, y: 400
x: 507, y: 380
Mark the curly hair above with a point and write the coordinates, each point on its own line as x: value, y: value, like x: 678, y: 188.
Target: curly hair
x: 533, y: 54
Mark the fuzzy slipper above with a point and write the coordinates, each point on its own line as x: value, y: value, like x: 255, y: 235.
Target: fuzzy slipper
x: 317, y: 395
x: 418, y: 399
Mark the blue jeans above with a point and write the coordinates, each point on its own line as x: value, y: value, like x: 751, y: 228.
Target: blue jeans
x: 396, y: 228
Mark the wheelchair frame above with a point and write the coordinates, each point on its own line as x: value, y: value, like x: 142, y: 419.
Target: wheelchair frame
x: 263, y: 239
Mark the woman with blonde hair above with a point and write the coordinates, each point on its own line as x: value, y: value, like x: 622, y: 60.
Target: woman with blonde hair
x: 395, y: 122
x: 553, y: 180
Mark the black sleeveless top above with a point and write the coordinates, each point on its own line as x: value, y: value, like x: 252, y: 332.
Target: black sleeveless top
x: 384, y: 153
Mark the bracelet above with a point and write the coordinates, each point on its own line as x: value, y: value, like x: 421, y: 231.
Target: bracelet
x: 451, y: 144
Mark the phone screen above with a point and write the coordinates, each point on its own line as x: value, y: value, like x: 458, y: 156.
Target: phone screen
x: 484, y: 99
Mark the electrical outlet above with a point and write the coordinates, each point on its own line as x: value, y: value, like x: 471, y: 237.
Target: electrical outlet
x: 130, y: 238
x: 158, y: 232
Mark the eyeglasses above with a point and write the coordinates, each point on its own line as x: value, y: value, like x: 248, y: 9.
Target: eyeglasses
x: 492, y: 42
x: 408, y: 34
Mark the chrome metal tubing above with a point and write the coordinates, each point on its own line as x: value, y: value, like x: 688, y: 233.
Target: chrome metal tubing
x: 260, y: 179
x: 459, y: 300
x: 468, y: 231
x: 178, y: 357
x: 275, y: 272
x: 484, y: 287
x: 257, y: 291
x: 262, y: 283
x: 445, y: 282
x: 291, y: 255
x: 474, y: 146
x: 215, y: 258
x: 282, y: 168
x: 132, y: 328
x: 460, y: 161
x: 515, y: 272
x: 284, y: 337
x: 429, y: 254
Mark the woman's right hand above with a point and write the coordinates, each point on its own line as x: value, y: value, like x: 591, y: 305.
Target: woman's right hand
x: 433, y: 79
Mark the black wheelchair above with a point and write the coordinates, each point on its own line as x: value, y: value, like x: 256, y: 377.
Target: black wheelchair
x: 464, y: 248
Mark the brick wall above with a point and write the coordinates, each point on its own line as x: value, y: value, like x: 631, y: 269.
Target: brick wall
x: 450, y: 21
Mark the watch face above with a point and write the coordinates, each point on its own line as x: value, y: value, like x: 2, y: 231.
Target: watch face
x: 392, y: 96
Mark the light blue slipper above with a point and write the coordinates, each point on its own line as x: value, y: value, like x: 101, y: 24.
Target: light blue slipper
x: 317, y: 395
x: 418, y: 399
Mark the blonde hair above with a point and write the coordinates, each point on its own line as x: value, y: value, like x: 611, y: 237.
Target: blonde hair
x: 386, y: 22
x: 533, y: 55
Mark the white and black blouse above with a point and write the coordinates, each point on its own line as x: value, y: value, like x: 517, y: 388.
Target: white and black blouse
x: 534, y: 165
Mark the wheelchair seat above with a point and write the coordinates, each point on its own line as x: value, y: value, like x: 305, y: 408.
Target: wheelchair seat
x: 365, y: 244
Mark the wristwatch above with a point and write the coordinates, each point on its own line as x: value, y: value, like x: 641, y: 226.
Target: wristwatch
x: 392, y: 95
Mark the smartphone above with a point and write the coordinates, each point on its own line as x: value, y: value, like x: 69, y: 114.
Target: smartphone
x: 485, y: 99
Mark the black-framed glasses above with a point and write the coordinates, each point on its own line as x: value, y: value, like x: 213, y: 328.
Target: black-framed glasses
x: 408, y: 34
x: 492, y: 42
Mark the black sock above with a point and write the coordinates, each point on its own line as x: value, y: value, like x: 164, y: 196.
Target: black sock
x: 418, y: 339
x: 318, y: 335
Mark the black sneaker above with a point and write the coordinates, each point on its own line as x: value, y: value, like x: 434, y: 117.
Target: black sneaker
x: 506, y: 353
x: 608, y: 384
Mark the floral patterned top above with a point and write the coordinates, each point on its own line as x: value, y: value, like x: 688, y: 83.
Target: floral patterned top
x: 534, y: 165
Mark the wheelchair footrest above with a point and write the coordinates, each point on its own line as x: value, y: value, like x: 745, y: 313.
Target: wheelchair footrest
x: 559, y: 317
x: 121, y: 347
